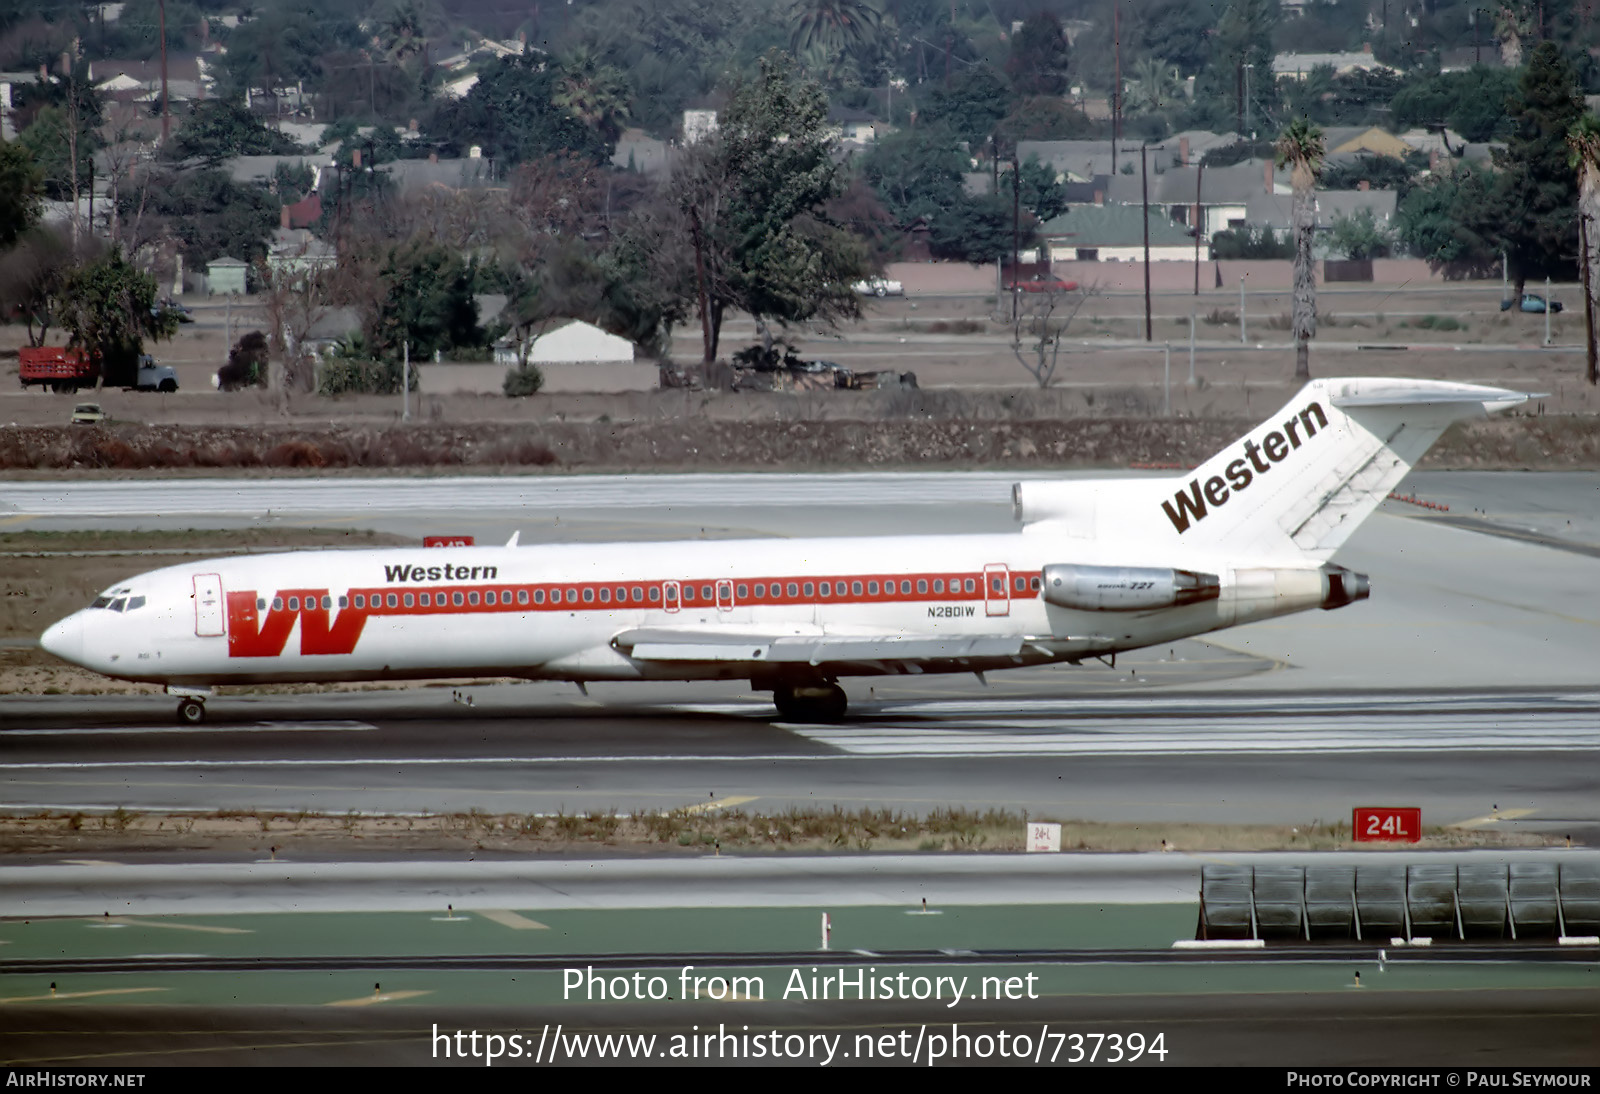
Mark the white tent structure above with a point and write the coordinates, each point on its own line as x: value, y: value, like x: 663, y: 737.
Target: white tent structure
x: 582, y: 357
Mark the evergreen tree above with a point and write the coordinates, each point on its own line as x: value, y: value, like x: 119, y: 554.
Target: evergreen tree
x: 1538, y: 191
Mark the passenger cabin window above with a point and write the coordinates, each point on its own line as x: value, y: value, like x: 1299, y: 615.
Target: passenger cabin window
x: 938, y: 585
x: 344, y: 601
x: 744, y: 591
x: 605, y: 596
x: 294, y: 604
x: 922, y: 585
x: 261, y: 604
x: 761, y: 590
x: 410, y: 601
x: 809, y: 590
x: 425, y: 600
x: 971, y: 585
x: 456, y: 599
x: 572, y: 596
x: 827, y: 589
x: 393, y: 601
x: 522, y: 596
x: 872, y: 588
x: 855, y: 588
x: 655, y: 594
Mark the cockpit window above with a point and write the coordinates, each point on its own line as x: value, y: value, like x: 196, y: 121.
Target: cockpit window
x: 117, y: 604
x: 135, y: 603
x: 101, y: 602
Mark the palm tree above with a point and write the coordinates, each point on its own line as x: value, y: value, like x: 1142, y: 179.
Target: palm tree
x: 1512, y: 23
x: 1156, y: 87
x: 825, y: 30
x: 596, y: 94
x: 1299, y: 147
x: 1583, y: 153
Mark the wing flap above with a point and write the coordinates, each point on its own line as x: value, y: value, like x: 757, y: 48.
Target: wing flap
x: 814, y: 649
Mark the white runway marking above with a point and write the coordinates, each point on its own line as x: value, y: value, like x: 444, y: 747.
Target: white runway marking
x: 224, y: 729
x: 1165, y: 738
x: 213, y: 496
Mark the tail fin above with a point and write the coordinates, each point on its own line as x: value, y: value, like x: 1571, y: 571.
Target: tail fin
x: 1301, y: 482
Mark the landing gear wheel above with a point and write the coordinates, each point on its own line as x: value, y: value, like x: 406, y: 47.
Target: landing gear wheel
x: 788, y: 705
x: 825, y: 703
x: 191, y: 712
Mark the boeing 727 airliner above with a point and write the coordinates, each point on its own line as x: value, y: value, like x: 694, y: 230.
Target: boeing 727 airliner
x: 1097, y: 567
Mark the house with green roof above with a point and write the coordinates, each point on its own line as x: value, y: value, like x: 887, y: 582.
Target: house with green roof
x: 1115, y: 233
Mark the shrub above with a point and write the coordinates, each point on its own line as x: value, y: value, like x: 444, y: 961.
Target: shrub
x: 523, y: 380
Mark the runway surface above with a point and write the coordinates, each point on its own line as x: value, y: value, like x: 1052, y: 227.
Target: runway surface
x: 1513, y: 760
x: 1466, y: 685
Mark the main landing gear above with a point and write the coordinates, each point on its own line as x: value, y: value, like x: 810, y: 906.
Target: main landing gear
x: 825, y: 702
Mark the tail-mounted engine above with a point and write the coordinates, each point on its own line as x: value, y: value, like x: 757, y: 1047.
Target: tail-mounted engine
x: 1341, y: 586
x: 1125, y: 588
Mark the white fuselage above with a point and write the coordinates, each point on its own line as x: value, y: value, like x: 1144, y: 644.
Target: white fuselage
x: 552, y: 612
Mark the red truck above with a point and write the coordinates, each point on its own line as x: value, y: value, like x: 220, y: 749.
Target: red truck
x: 66, y: 369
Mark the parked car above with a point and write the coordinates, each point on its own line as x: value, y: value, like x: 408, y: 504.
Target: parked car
x: 183, y: 314
x: 879, y: 286
x: 1044, y: 283
x: 88, y: 414
x: 1532, y: 302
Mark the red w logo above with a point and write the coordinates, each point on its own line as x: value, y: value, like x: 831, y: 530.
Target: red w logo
x: 251, y: 636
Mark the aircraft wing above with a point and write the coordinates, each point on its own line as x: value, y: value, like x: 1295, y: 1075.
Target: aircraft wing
x: 656, y: 644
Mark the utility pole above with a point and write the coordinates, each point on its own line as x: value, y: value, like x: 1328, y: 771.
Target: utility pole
x: 1199, y: 224
x: 405, y: 384
x: 1589, y: 373
x: 1249, y: 135
x: 166, y: 114
x: 1016, y: 229
x: 1238, y: 96
x: 1116, y: 87
x: 1144, y: 202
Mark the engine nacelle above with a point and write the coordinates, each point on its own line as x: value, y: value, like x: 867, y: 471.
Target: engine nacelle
x: 1125, y: 588
x: 1341, y: 586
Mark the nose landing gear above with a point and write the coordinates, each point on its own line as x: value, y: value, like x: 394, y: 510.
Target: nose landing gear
x: 191, y: 704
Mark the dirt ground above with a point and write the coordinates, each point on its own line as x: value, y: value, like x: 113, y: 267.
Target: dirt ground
x: 685, y: 831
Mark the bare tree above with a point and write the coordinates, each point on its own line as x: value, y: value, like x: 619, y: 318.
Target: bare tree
x: 1043, y: 319
x: 129, y: 143
x: 295, y: 296
x: 34, y: 271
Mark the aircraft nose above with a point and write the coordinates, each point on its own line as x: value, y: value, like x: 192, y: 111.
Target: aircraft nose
x: 65, y: 639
